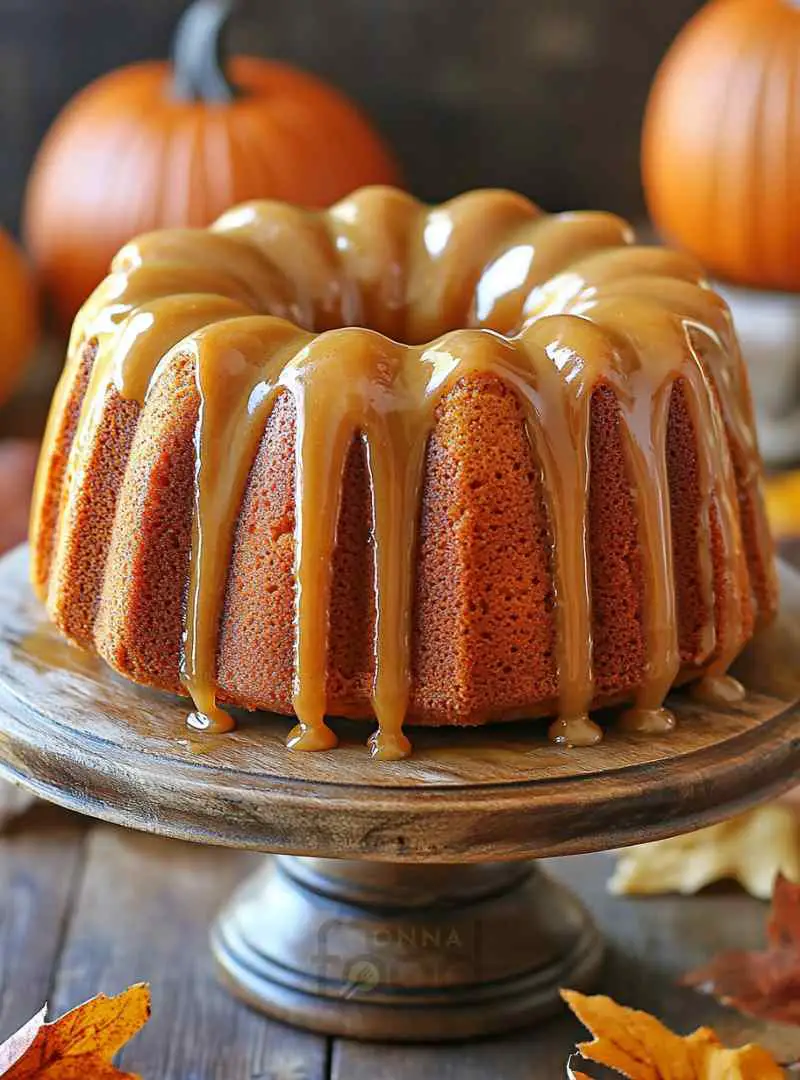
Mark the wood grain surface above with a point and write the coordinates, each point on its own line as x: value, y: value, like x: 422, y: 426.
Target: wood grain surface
x: 142, y: 912
x: 41, y: 855
x: 86, y: 907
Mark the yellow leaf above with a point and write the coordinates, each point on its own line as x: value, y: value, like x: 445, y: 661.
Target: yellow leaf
x: 753, y: 848
x: 82, y: 1043
x: 634, y: 1043
x: 715, y: 1062
x: 639, y: 1047
x: 783, y: 503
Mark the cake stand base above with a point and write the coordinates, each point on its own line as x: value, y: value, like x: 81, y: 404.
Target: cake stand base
x: 402, y: 952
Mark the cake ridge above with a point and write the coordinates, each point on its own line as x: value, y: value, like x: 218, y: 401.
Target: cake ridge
x: 633, y: 319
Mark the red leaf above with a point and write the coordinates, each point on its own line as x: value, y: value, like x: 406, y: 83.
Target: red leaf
x: 783, y: 928
x: 764, y: 984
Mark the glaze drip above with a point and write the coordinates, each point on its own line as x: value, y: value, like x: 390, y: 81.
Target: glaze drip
x: 274, y: 300
x: 718, y: 690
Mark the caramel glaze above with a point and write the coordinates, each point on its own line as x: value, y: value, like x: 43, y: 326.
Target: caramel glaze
x: 718, y: 690
x: 356, y: 313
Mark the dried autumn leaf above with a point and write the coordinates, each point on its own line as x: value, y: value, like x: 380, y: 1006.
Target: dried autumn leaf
x: 639, y: 1047
x: 19, y: 1043
x: 81, y: 1044
x: 783, y: 503
x: 753, y: 849
x: 764, y: 984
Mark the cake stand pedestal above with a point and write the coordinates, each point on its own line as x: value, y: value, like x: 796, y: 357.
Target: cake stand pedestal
x: 403, y: 902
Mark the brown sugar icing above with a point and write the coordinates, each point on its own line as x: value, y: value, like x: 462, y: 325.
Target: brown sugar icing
x: 368, y: 315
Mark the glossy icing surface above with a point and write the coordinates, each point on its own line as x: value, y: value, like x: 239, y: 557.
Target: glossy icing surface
x: 368, y: 314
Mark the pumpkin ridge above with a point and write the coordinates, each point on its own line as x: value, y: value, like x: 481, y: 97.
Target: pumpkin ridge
x: 755, y: 231
x: 715, y: 219
x: 791, y: 149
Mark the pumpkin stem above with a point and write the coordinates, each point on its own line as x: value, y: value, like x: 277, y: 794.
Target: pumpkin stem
x: 198, y: 54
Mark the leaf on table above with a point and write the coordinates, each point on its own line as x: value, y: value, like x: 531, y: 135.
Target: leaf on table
x: 753, y: 849
x: 639, y: 1047
x: 81, y: 1044
x: 19, y: 1043
x: 783, y: 503
x: 764, y: 984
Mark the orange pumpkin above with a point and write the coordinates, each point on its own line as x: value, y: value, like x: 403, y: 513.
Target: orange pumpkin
x: 171, y: 144
x: 721, y: 142
x: 18, y: 315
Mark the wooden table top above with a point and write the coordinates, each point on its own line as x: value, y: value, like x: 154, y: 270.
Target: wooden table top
x: 86, y: 907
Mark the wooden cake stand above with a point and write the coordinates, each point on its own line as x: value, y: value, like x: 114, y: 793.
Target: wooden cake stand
x: 403, y: 903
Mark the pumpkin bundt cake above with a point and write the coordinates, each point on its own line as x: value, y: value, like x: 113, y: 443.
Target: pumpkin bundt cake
x: 438, y: 465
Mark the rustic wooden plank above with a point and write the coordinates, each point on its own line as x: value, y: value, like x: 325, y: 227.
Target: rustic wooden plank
x: 143, y: 913
x: 536, y: 1055
x: 41, y: 857
x: 651, y: 943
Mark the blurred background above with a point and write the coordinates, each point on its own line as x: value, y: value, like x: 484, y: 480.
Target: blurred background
x: 544, y: 96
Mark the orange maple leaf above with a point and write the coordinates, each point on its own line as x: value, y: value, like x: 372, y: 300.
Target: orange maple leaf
x: 764, y: 984
x: 80, y: 1044
x: 639, y: 1047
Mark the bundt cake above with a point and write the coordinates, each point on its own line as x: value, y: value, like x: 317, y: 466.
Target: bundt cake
x: 443, y: 465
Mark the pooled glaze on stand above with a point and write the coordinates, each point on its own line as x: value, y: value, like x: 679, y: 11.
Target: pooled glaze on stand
x: 718, y: 690
x: 277, y: 301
